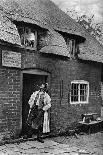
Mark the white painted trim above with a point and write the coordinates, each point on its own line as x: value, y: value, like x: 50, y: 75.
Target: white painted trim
x: 80, y: 81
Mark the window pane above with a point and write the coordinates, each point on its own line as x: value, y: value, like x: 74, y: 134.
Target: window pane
x: 74, y: 92
x: 83, y: 92
x: 29, y: 37
x: 71, y: 46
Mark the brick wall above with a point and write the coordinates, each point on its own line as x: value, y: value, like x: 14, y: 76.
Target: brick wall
x: 10, y: 100
x: 62, y: 71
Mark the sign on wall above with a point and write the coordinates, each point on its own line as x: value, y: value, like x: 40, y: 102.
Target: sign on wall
x: 11, y: 59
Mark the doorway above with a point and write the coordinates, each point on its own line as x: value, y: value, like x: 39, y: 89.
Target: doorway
x: 30, y: 84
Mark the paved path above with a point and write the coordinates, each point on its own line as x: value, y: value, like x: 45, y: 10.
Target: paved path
x: 49, y: 147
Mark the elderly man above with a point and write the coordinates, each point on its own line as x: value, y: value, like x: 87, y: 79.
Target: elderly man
x: 39, y: 103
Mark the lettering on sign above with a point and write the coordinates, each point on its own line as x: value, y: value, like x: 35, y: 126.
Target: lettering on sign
x: 11, y: 59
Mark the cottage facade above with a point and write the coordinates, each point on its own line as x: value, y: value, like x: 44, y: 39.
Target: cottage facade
x: 46, y: 47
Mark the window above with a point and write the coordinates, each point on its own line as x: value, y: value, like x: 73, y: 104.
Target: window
x: 27, y: 36
x: 79, y: 92
x: 71, y: 45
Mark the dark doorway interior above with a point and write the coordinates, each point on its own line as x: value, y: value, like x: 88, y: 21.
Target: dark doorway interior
x: 30, y: 84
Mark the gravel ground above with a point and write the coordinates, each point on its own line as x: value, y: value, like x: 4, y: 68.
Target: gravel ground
x: 83, y: 145
x: 92, y: 143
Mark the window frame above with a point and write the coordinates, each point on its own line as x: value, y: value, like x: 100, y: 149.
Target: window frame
x: 80, y: 82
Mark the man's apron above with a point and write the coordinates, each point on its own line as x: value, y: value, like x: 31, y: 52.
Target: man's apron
x: 37, y: 117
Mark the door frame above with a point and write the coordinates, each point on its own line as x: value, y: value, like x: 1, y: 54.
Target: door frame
x: 33, y: 72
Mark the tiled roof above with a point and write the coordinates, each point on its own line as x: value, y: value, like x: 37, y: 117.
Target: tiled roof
x: 8, y: 31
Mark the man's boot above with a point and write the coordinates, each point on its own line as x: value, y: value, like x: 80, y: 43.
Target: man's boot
x: 39, y: 139
x: 39, y: 135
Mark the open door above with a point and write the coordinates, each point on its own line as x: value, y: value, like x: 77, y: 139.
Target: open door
x: 30, y: 84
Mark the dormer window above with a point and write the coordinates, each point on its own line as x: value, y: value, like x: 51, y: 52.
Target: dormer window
x: 72, y: 47
x: 27, y: 36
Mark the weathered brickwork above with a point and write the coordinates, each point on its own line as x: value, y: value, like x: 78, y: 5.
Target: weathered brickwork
x: 62, y: 72
x: 62, y: 113
x: 10, y: 100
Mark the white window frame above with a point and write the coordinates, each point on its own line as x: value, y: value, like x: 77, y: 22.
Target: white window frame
x: 80, y: 82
